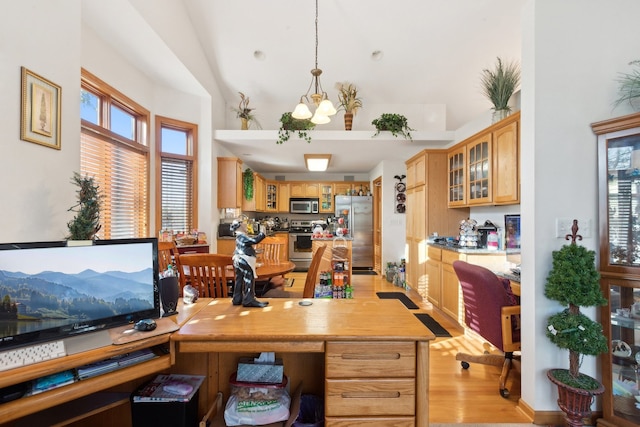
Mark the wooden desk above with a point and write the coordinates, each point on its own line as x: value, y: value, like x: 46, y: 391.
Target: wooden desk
x: 369, y: 358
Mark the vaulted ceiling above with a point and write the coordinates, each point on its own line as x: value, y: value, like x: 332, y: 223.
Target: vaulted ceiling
x: 430, y: 54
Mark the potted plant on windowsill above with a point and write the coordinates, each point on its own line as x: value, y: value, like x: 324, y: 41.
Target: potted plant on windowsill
x: 574, y: 282
x: 394, y: 123
x: 86, y: 223
x: 288, y: 125
x: 349, y: 102
x: 499, y: 85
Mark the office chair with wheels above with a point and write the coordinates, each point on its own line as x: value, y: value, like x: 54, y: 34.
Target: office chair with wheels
x: 493, y: 312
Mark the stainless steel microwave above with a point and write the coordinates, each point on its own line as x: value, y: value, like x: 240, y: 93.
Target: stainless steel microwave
x: 303, y: 205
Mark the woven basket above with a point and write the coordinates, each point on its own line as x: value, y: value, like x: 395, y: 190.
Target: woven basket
x: 185, y: 241
x: 627, y: 407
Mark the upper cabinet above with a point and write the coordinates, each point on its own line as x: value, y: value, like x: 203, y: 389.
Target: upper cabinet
x: 304, y: 189
x: 229, y: 182
x: 326, y: 197
x: 485, y: 169
x: 271, y: 194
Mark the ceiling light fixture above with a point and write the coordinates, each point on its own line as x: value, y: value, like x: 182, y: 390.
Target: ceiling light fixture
x: 324, y: 107
x: 317, y: 162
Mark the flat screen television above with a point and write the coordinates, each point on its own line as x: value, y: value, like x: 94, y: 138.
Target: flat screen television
x: 51, y: 290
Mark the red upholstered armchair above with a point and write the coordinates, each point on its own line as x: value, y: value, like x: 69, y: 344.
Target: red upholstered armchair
x: 493, y: 312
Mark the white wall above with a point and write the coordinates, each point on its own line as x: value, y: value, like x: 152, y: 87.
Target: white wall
x: 37, y: 189
x: 572, y: 52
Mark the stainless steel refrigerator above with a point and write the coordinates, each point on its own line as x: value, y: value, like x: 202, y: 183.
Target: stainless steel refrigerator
x: 357, y: 214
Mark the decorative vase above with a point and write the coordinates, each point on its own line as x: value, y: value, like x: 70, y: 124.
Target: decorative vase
x: 244, y: 123
x: 499, y: 115
x: 348, y: 121
x: 574, y: 402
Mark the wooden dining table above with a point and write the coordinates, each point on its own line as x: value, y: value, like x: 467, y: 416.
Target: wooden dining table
x: 269, y: 269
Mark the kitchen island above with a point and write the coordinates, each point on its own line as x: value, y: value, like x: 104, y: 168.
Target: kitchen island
x: 368, y: 358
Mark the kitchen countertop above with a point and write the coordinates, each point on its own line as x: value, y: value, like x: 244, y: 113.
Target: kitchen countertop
x: 332, y: 238
x: 463, y: 250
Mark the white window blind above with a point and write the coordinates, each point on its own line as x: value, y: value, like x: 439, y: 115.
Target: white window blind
x: 177, y: 195
x: 121, y: 170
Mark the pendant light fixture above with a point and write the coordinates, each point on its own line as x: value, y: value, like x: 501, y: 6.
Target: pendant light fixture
x: 324, y: 107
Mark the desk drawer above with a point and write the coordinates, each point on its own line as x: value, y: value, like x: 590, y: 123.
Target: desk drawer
x: 370, y: 359
x: 370, y: 422
x: 370, y: 397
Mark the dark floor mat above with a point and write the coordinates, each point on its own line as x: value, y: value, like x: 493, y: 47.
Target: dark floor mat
x: 364, y: 272
x: 432, y: 324
x: 399, y: 296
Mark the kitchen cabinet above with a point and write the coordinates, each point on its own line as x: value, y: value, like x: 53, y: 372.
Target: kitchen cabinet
x: 457, y: 168
x: 443, y: 289
x: 305, y: 189
x: 226, y: 246
x: 229, y: 183
x: 427, y: 212
x: 258, y: 202
x: 283, y: 197
x: 484, y: 170
x: 618, y: 165
x: 350, y: 188
x: 326, y: 198
x: 271, y: 196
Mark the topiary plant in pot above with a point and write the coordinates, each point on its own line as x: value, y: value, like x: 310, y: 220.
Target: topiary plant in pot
x: 574, y: 282
x: 86, y: 223
x: 394, y: 123
x: 288, y: 125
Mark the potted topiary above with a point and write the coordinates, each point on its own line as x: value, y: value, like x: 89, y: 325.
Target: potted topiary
x: 499, y: 85
x: 349, y: 102
x: 574, y: 282
x: 394, y: 123
x: 86, y: 222
x: 288, y: 125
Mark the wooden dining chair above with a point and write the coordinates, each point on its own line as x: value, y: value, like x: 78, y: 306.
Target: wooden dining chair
x: 210, y: 274
x: 270, y: 249
x: 309, y: 283
x: 168, y: 255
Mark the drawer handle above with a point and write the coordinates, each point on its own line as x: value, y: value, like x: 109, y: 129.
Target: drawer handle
x: 371, y: 395
x: 369, y: 356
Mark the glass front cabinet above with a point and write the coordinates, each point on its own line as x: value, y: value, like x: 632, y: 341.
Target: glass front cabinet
x: 619, y: 213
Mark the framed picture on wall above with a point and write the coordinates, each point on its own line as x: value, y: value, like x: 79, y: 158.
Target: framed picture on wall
x: 512, y: 232
x: 41, y: 109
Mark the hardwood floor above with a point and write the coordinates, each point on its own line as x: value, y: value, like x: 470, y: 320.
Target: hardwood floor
x: 455, y: 395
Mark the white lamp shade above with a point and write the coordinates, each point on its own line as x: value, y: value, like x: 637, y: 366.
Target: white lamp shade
x: 320, y: 119
x: 326, y: 108
x: 301, y: 112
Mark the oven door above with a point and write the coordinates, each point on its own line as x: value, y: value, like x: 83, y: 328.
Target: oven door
x: 300, y: 250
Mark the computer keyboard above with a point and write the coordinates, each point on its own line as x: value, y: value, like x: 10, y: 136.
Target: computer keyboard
x: 24, y: 356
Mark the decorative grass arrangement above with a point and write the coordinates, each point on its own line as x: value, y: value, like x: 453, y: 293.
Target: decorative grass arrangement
x: 629, y: 87
x: 500, y: 83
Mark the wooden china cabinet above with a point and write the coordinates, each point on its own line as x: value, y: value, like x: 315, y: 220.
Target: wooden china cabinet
x: 619, y: 206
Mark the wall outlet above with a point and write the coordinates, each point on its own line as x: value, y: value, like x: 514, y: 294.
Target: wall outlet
x: 563, y: 227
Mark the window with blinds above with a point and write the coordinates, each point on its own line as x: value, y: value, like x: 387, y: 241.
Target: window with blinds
x: 176, y: 143
x: 113, y: 150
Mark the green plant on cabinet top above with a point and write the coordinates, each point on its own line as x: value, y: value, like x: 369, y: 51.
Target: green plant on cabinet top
x: 289, y: 124
x: 394, y: 123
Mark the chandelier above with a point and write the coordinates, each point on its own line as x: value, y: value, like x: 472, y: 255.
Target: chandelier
x: 324, y: 107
